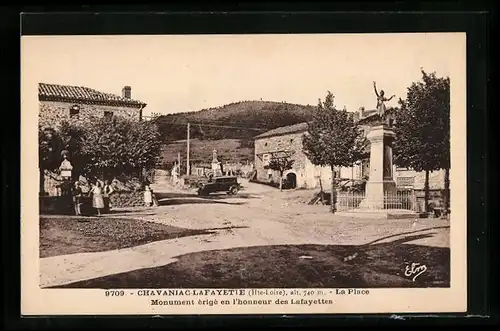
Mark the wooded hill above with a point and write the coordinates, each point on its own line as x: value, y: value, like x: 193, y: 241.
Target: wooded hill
x: 230, y: 129
x: 241, y: 120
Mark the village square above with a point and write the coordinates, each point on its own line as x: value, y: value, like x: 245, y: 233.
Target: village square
x: 144, y: 215
x: 284, y: 164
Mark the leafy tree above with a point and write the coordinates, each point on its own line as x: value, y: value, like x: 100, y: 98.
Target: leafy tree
x: 101, y: 147
x: 119, y: 146
x: 423, y: 129
x: 333, y: 139
x: 280, y: 164
x: 50, y: 146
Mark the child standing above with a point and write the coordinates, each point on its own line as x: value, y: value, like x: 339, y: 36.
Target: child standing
x: 108, y: 189
x: 77, y: 193
x: 148, y: 196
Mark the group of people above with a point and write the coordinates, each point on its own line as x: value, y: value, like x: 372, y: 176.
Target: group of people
x: 100, y: 192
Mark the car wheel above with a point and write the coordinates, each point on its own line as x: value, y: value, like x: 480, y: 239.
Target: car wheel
x: 233, y: 190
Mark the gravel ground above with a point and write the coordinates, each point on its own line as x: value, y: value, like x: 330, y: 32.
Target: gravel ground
x: 257, y: 216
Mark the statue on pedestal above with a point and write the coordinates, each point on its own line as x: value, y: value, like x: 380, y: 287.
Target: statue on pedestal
x: 381, y: 99
x: 216, y: 164
x: 65, y: 171
x: 214, y: 156
x: 65, y: 167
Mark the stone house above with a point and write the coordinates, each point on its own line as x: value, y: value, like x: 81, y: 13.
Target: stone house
x: 287, y: 141
x: 59, y: 103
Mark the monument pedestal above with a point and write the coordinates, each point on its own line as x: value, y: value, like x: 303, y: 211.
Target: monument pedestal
x: 380, y: 195
x: 216, y: 169
x: 381, y: 199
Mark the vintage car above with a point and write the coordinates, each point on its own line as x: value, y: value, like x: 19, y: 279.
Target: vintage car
x: 228, y: 184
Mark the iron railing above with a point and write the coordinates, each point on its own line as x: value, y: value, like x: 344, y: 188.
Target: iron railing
x: 391, y: 200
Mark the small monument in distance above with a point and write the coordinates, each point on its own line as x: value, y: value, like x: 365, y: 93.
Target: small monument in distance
x: 380, y: 193
x: 66, y: 171
x: 66, y: 167
x: 216, y: 164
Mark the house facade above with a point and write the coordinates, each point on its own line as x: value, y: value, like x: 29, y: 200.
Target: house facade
x: 58, y: 103
x: 287, y: 141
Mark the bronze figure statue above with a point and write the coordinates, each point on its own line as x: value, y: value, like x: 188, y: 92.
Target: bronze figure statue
x: 381, y: 99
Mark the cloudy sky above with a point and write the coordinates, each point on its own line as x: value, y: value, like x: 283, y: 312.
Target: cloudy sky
x: 185, y: 73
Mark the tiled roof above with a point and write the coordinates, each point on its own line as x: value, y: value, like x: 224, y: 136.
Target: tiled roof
x: 301, y: 127
x: 54, y: 92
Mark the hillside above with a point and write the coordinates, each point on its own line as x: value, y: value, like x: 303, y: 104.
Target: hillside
x: 229, y: 129
x: 250, y: 117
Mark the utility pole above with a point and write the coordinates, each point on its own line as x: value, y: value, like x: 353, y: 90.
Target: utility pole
x: 187, y: 161
x: 179, y: 162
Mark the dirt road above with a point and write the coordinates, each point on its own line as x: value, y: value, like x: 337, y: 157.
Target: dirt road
x: 257, y: 215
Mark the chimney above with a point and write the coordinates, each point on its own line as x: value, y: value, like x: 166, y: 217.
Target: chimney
x: 126, y: 92
x: 361, y: 112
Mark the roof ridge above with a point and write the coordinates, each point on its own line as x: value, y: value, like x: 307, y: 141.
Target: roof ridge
x: 282, y: 130
x: 81, y: 93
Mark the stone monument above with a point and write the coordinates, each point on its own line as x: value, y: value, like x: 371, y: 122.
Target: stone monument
x: 381, y: 199
x: 66, y: 167
x: 66, y: 170
x: 381, y: 182
x: 216, y: 165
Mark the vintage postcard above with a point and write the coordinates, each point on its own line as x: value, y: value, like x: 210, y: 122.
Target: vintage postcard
x: 244, y: 174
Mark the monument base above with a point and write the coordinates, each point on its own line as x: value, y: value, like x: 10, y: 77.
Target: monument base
x: 381, y: 195
x: 380, y: 214
x: 381, y: 201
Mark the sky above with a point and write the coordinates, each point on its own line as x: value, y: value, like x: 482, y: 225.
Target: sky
x: 188, y: 73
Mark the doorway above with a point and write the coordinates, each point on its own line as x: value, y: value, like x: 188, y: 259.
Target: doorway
x: 291, y: 180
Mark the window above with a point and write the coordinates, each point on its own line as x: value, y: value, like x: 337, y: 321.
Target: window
x: 74, y: 111
x: 108, y: 115
x: 266, y: 158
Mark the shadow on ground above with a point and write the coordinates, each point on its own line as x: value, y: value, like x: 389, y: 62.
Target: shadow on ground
x: 212, y: 196
x: 379, y: 265
x: 194, y: 201
x: 61, y: 236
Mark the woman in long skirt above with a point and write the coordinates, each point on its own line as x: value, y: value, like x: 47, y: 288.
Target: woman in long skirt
x: 97, y: 197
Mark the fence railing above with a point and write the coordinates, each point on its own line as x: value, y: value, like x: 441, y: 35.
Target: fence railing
x: 391, y: 200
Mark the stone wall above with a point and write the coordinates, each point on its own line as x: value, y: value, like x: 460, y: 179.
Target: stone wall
x: 264, y: 148
x: 52, y: 113
x: 204, y: 169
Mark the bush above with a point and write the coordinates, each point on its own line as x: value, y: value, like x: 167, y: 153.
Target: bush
x: 127, y: 199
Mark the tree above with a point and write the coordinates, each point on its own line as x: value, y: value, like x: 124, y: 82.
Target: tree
x: 280, y: 164
x: 119, y: 146
x: 333, y: 139
x: 101, y: 147
x: 423, y: 129
x: 50, y: 146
